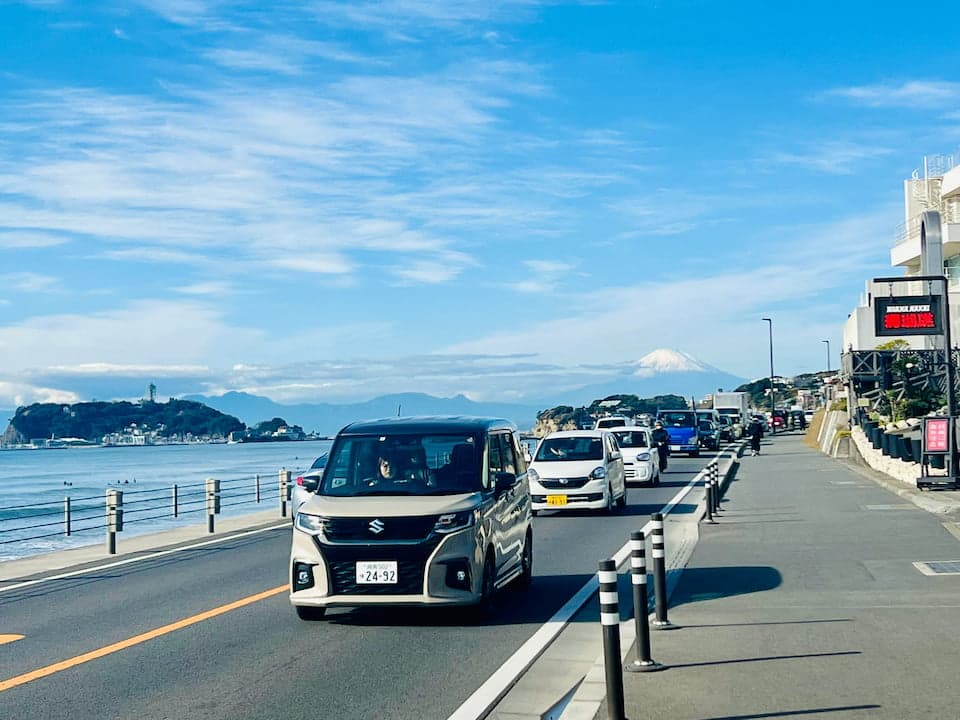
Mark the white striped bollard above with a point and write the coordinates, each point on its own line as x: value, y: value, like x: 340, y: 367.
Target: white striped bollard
x: 660, y: 622
x: 610, y: 620
x: 638, y: 578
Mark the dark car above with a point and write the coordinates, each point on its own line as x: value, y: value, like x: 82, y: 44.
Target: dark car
x: 306, y: 483
x: 709, y: 435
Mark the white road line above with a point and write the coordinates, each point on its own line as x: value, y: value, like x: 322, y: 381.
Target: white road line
x: 497, y: 685
x: 140, y: 558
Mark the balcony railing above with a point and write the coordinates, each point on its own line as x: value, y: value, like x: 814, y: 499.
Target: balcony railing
x: 910, y: 230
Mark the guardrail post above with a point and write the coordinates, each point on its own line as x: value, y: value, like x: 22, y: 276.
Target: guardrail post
x: 114, y: 518
x: 256, y: 485
x: 176, y: 501
x: 610, y: 620
x: 661, y: 622
x: 66, y: 516
x: 638, y: 578
x: 285, y: 476
x: 213, y: 501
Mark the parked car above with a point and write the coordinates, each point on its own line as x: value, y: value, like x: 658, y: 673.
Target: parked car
x: 640, y: 462
x: 415, y: 511
x: 306, y: 483
x: 577, y: 469
x: 709, y: 435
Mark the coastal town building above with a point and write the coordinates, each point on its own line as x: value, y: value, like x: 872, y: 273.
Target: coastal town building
x: 934, y: 186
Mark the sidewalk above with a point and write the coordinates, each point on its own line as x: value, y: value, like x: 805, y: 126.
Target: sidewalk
x: 804, y: 601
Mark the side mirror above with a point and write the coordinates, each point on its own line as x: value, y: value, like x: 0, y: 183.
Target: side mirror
x: 503, y: 481
x: 310, y: 484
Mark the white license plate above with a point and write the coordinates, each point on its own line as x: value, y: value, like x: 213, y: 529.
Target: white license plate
x: 382, y: 572
x: 674, y: 447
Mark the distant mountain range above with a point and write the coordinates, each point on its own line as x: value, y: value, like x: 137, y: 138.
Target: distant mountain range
x: 660, y: 372
x: 327, y: 418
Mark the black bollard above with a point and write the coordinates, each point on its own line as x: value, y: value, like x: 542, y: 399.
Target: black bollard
x: 659, y: 575
x: 638, y: 577
x: 715, y: 475
x: 610, y: 621
x: 708, y: 494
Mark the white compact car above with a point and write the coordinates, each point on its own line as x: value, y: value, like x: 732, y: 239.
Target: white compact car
x: 577, y: 469
x: 640, y: 460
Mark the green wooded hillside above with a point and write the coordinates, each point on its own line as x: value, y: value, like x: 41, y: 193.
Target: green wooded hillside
x: 93, y: 420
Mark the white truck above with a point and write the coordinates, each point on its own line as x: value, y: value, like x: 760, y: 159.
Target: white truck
x: 735, y: 405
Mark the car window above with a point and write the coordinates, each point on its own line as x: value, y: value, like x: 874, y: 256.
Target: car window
x: 632, y: 439
x: 569, y: 449
x: 502, y: 457
x: 320, y: 462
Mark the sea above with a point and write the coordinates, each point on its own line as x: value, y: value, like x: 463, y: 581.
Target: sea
x: 35, y: 483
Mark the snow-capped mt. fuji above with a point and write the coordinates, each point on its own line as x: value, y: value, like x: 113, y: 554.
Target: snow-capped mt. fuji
x: 669, y: 361
x: 660, y: 372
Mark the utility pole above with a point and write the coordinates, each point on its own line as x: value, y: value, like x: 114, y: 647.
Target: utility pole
x: 773, y: 392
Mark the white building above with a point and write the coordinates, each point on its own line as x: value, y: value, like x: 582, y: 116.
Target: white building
x: 936, y: 186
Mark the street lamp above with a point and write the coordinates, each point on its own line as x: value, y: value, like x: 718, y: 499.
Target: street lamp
x: 773, y: 393
x: 828, y: 354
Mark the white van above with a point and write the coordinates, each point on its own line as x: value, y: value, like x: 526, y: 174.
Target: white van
x: 613, y: 421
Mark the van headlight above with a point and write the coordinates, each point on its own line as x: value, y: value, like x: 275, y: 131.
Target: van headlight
x: 311, y: 524
x: 533, y: 475
x: 643, y: 457
x: 598, y: 473
x: 451, y: 522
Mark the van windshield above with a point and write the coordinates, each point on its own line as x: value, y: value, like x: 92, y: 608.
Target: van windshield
x: 403, y: 465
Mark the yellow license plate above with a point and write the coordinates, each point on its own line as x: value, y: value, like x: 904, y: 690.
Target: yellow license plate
x: 556, y: 499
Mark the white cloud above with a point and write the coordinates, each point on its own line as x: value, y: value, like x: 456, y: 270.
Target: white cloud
x: 13, y: 395
x: 919, y: 94
x: 156, y: 333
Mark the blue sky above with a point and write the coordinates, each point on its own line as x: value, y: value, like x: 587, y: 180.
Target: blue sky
x: 328, y: 201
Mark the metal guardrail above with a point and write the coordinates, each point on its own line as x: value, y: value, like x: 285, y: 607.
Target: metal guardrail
x: 116, y: 510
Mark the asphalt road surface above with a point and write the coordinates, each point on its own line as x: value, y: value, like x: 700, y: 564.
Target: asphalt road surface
x: 209, y: 633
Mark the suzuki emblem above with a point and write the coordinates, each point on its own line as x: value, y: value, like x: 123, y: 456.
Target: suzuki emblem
x: 376, y: 526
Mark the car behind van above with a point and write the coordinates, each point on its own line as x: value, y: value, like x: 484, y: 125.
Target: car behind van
x: 414, y: 511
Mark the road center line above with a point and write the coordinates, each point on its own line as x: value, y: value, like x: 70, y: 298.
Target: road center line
x: 137, y: 639
x: 4, y: 639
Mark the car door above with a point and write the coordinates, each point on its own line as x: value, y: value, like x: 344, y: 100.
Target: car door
x: 614, y: 464
x: 507, y: 540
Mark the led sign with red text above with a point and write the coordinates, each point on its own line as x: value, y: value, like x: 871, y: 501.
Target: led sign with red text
x: 912, y: 315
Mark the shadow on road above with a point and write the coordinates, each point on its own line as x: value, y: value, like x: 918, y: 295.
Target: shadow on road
x: 698, y: 584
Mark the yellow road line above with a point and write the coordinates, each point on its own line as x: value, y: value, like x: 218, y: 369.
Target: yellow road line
x: 4, y: 639
x: 137, y: 639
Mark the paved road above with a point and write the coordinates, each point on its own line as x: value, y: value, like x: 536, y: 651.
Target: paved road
x: 259, y: 660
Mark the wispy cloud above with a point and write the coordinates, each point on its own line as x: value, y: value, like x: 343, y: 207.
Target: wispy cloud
x: 918, y: 94
x: 215, y: 288
x: 835, y: 157
x: 30, y: 282
x: 16, y: 239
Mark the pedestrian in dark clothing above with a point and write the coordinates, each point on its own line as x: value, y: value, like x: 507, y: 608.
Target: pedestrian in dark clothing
x: 661, y: 438
x: 755, y: 432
